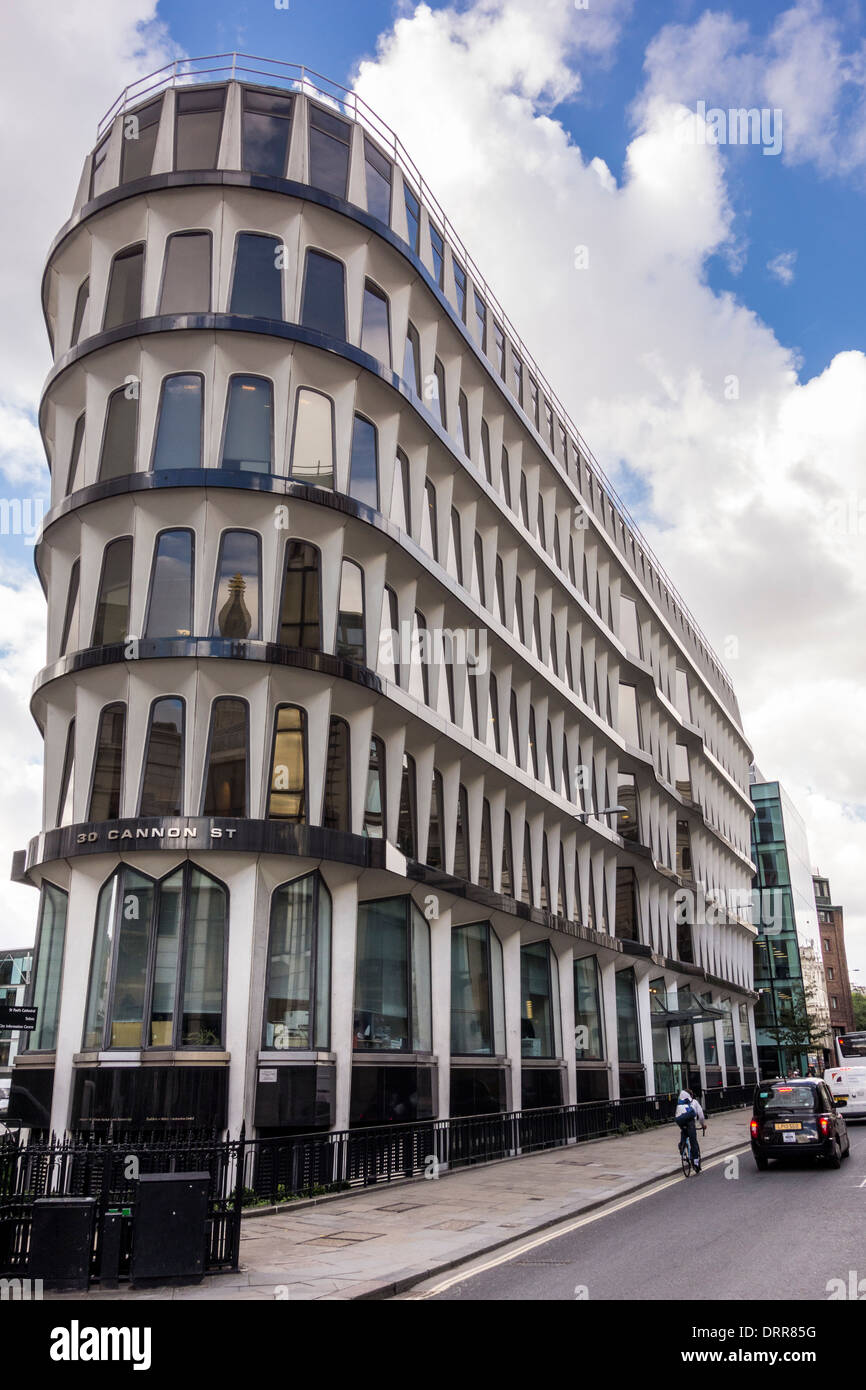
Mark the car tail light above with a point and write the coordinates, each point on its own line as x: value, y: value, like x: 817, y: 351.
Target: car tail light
x: 754, y: 1127
x: 824, y: 1122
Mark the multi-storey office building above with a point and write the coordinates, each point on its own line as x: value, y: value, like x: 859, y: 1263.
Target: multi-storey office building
x: 831, y: 930
x: 349, y: 643
x: 793, y: 1016
x: 15, y: 967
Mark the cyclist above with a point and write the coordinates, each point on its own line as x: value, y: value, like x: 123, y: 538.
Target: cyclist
x: 689, y: 1114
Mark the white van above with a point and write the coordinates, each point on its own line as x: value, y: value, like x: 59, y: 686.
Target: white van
x: 848, y: 1088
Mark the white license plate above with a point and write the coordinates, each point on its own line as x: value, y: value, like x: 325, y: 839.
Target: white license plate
x: 790, y: 1138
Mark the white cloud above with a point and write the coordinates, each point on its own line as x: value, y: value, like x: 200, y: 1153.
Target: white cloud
x: 749, y: 470
x: 67, y: 60
x: 782, y: 266
x: 804, y: 65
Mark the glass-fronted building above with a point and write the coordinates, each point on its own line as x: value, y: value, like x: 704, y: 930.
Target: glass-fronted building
x: 792, y: 1016
x: 15, y: 967
x: 352, y: 652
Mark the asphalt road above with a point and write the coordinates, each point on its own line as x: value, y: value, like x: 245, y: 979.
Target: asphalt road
x: 782, y: 1234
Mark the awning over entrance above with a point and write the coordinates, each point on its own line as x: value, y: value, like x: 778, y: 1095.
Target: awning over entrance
x: 688, y: 1010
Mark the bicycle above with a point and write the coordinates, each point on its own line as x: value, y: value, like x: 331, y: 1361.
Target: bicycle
x: 685, y: 1147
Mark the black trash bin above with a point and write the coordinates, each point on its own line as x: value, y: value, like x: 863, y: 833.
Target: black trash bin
x: 61, y: 1241
x: 170, y: 1228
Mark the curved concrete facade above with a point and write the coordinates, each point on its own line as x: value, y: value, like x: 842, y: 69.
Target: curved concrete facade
x: 376, y: 628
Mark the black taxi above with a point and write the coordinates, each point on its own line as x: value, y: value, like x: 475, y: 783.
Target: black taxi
x: 796, y: 1116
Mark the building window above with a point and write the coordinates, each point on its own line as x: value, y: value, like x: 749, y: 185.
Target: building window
x: 105, y: 789
x: 517, y: 375
x: 171, y: 592
x: 485, y: 861
x: 412, y: 359
x: 539, y: 997
x: 682, y: 771
x: 297, y: 995
x: 378, y: 172
x: 499, y: 338
x: 329, y: 152
x: 99, y: 170
x: 249, y: 425
x: 626, y: 916
x: 374, y: 799
x: 288, y: 796
x: 454, y: 565
x: 481, y: 321
x: 336, y: 814
x: 507, y: 875
x: 186, y: 276
x: 407, y: 823
x: 389, y: 637
x: 400, y: 497
x: 527, y: 884
x: 225, y: 789
x: 323, y: 305
x: 300, y: 614
x: 628, y: 1035
x: 477, y: 992
x: 376, y: 324
x: 69, y: 636
x: 123, y: 301
x: 75, y: 454
x: 237, y: 595
x: 463, y: 414
x: 627, y: 822
x: 429, y: 528
x: 541, y: 530
x: 684, y: 852
x: 419, y: 683
x: 265, y: 131
x: 628, y: 721
x: 64, y: 800
x: 112, y: 601
x: 437, y: 246
x: 478, y: 557
x: 81, y: 301
x: 588, y: 1035
x: 393, y: 1007
x: 162, y: 783
x: 257, y: 279
x: 435, y: 837
x: 506, y: 479
x: 439, y: 393
x: 485, y: 451
x: 120, y: 437
x: 43, y: 991
x: 460, y: 286
x: 158, y: 965
x: 533, y: 403
x: 179, y: 430
x: 683, y: 699
x: 524, y: 501
x: 461, y: 836
x: 350, y: 642
x: 413, y: 217
x: 198, y: 128
x: 313, y: 444
x: 629, y: 629
x: 364, y: 463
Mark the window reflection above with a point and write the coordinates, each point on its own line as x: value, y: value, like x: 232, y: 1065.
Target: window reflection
x: 378, y: 174
x: 123, y: 301
x: 257, y: 279
x: 178, y: 433
x: 112, y: 602
x: 336, y: 812
x: 393, y: 1009
x: 323, y: 304
x: 300, y: 624
x: 237, y: 600
x: 287, y: 797
x: 186, y: 277
x: 171, y: 594
x: 350, y: 641
x: 105, y: 789
x: 313, y: 446
x: 329, y: 152
x: 162, y: 784
x: 267, y: 125
x: 375, y: 324
x: 297, y: 1003
x: 364, y: 464
x: 198, y: 128
x: 249, y: 425
x: 119, y: 440
x: 225, y: 792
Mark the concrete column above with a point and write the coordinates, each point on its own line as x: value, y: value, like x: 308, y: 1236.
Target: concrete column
x: 607, y: 974
x: 84, y: 890
x: 344, y: 907
x: 644, y: 1023
x: 565, y: 961
x: 511, y: 972
x: 440, y: 981
x: 238, y: 1042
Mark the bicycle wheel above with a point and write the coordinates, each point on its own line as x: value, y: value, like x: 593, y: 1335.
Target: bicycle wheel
x: 686, y: 1159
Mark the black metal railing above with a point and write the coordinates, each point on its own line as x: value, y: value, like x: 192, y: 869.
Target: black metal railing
x: 247, y: 1172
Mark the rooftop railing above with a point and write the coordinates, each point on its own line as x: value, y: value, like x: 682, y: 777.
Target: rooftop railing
x: 295, y: 77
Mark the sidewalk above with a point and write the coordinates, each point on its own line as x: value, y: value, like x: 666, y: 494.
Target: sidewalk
x: 389, y: 1237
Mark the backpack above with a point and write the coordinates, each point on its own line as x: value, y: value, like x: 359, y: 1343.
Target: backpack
x: 687, y: 1115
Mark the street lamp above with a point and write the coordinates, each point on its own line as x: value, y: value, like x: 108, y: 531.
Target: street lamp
x: 608, y: 811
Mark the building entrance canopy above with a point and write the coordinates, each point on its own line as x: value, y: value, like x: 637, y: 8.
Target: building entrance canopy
x: 689, y: 1010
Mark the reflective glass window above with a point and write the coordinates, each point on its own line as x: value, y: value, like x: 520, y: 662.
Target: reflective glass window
x: 313, y: 443
x: 329, y: 152
x: 162, y: 783
x: 178, y: 441
x: 112, y: 600
x: 300, y: 622
x: 266, y: 127
x: 257, y: 279
x: 287, y: 797
x: 123, y: 301
x: 364, y: 463
x: 297, y: 1000
x: 323, y: 304
x: 249, y: 425
x: 225, y: 792
x: 105, y: 789
x: 237, y: 599
x: 198, y: 127
x: 378, y: 175
x: 171, y: 592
